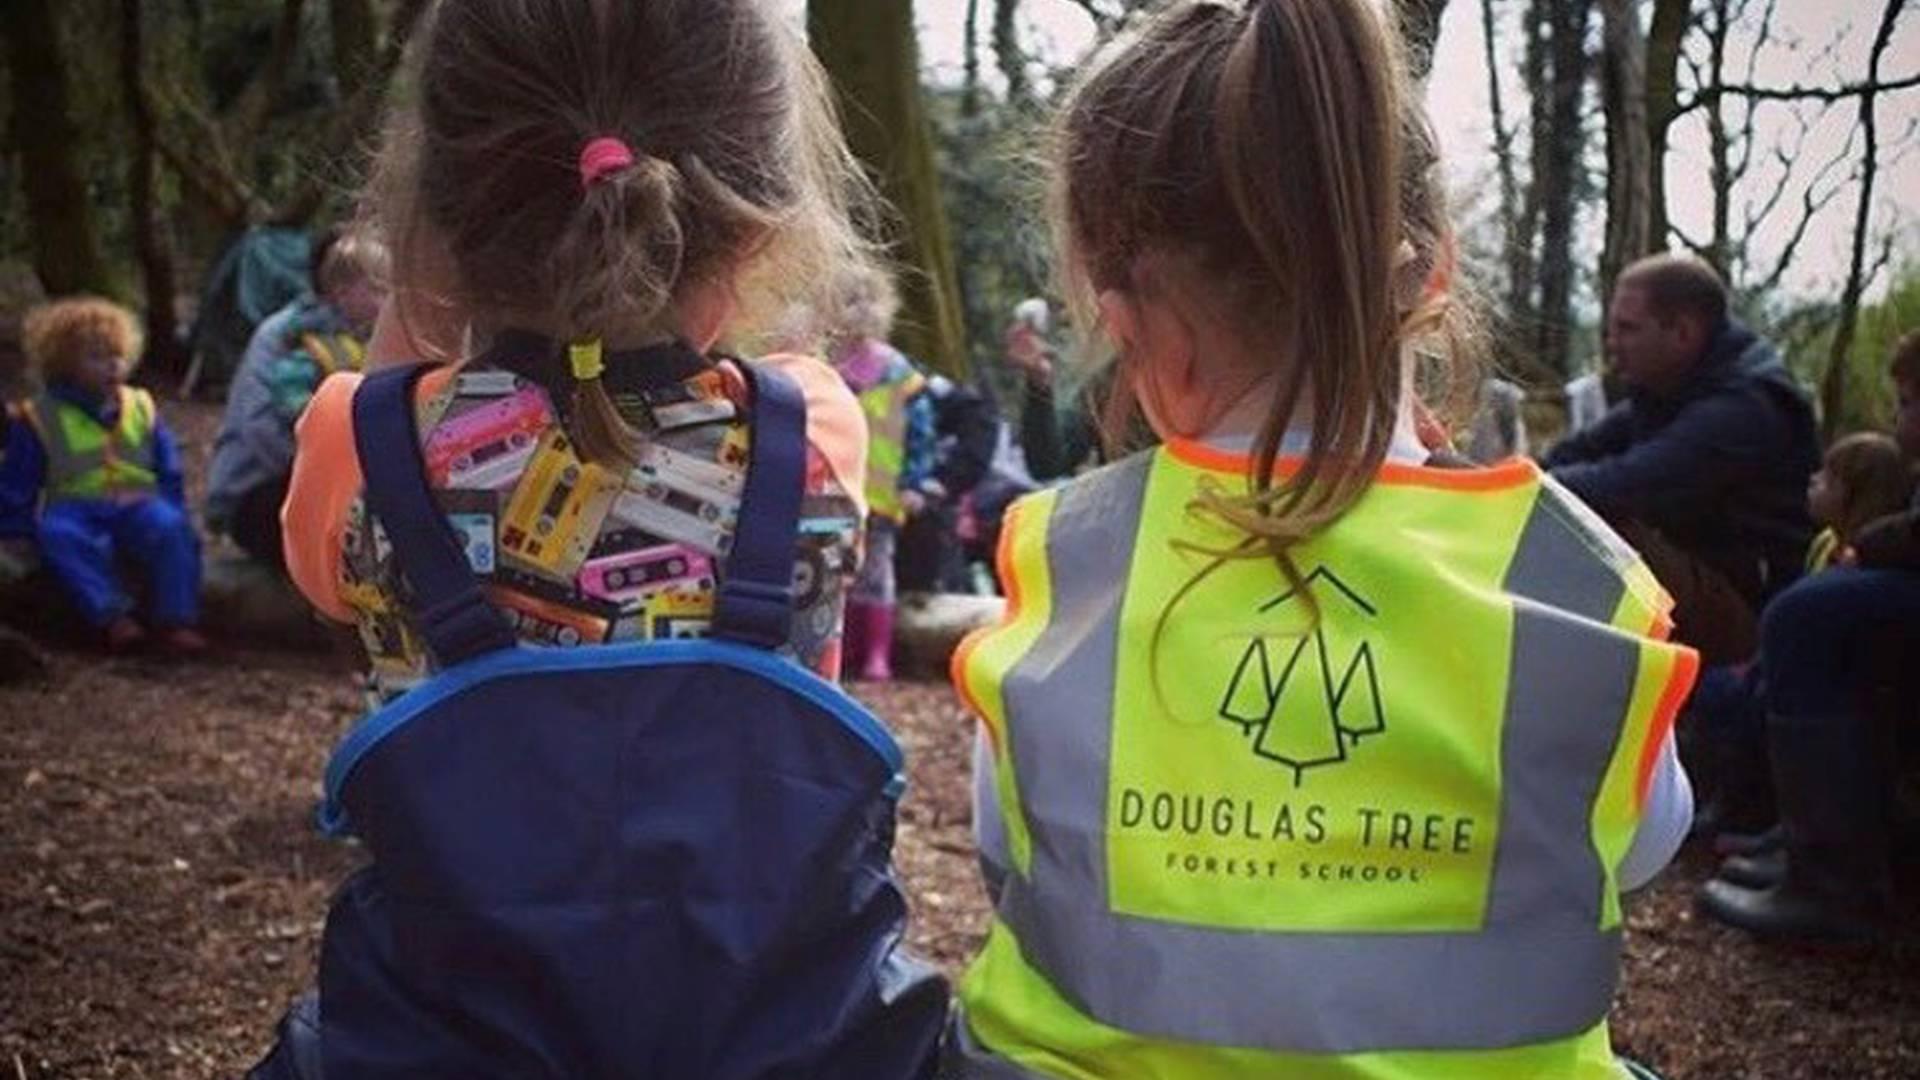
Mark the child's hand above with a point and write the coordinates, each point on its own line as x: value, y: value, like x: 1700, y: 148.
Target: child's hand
x: 1027, y: 352
x: 1433, y: 434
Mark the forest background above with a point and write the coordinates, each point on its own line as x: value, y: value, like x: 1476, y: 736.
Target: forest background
x: 1774, y: 138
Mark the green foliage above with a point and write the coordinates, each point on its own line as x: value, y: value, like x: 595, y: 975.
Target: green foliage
x: 993, y: 193
x: 199, y: 57
x: 1806, y: 332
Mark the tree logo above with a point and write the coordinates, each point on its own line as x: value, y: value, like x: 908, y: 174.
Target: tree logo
x: 1293, y: 717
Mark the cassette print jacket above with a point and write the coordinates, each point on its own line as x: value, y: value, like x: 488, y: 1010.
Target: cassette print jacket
x: 575, y: 554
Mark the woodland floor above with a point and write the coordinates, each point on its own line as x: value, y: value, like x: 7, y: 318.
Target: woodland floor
x: 162, y: 888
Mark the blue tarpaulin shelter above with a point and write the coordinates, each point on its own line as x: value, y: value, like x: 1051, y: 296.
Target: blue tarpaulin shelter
x: 262, y: 271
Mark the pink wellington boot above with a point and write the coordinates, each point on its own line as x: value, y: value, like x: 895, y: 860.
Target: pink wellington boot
x: 853, y: 637
x: 876, y: 664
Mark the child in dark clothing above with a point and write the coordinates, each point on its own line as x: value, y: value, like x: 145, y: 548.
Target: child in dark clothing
x: 1862, y: 479
x: 1840, y: 650
x: 92, y: 465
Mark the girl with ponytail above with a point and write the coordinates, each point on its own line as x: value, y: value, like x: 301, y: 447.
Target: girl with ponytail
x: 1234, y: 665
x: 584, y: 199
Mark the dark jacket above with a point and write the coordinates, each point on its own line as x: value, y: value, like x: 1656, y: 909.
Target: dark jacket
x: 967, y: 429
x: 1892, y: 542
x: 1720, y: 468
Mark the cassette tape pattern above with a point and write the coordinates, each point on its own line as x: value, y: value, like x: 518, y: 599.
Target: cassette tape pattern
x: 557, y: 509
x: 576, y: 554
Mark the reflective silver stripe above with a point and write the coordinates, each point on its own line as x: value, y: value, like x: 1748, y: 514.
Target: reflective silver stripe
x: 65, y: 465
x: 1557, y: 580
x: 1540, y: 970
x: 1558, y: 566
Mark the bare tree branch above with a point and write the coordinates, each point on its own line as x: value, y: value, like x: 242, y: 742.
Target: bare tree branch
x: 1809, y: 209
x: 1833, y: 387
x: 1686, y: 241
x: 1800, y: 93
x: 1104, y: 22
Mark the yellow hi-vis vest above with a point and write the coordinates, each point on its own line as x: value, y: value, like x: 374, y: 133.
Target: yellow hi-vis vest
x: 85, y: 460
x: 885, y: 404
x: 334, y: 352
x: 1379, y: 844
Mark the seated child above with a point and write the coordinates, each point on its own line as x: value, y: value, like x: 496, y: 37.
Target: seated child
x: 1863, y: 478
x: 656, y: 856
x: 91, y: 463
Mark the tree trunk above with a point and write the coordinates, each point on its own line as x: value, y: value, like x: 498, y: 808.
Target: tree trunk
x: 150, y: 239
x: 66, y: 244
x: 1420, y: 26
x: 353, y: 121
x: 1629, y: 164
x: 970, y: 83
x: 1833, y: 388
x: 352, y: 26
x: 251, y: 107
x: 1719, y: 253
x: 1523, y: 302
x: 1516, y: 247
x: 1558, y: 179
x: 1664, y: 37
x: 1007, y: 52
x: 870, y: 51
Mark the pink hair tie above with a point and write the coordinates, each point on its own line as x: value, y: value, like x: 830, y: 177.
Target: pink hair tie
x: 601, y: 158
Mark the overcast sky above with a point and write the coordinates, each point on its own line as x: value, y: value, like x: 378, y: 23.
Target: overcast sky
x: 1458, y: 98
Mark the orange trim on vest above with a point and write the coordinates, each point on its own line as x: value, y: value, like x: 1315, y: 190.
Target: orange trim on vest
x: 957, y: 667
x: 1686, y: 668
x: 1512, y: 472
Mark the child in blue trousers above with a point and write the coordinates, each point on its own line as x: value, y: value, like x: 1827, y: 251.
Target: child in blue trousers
x: 90, y: 463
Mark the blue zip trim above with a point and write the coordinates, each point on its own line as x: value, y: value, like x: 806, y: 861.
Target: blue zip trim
x: 522, y: 660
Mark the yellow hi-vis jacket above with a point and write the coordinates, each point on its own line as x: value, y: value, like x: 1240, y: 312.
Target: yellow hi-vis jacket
x: 885, y: 404
x: 85, y: 460
x: 1376, y: 844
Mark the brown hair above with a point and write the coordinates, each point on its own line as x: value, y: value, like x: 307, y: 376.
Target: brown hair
x: 1273, y: 153
x: 1906, y: 358
x: 1873, y: 477
x: 1677, y: 285
x: 740, y: 177
x: 56, y: 335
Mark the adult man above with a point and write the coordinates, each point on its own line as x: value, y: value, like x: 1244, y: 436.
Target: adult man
x: 1704, y: 467
x: 291, y: 351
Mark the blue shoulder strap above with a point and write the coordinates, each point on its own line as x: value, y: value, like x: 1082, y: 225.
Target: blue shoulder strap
x: 755, y: 601
x: 447, y: 604
x: 755, y: 605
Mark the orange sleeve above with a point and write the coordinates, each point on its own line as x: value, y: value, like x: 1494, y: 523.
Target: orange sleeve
x: 836, y: 426
x: 325, y: 482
